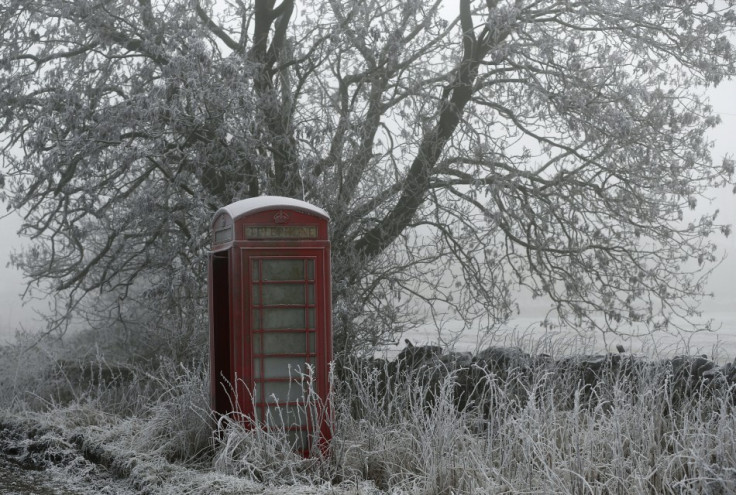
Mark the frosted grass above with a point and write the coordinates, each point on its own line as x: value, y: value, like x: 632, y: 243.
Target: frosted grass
x: 399, y: 430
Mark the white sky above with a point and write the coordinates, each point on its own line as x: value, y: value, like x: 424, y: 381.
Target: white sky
x: 14, y: 314
x: 722, y: 280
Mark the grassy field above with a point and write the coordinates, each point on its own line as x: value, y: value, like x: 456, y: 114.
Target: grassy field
x: 428, y: 422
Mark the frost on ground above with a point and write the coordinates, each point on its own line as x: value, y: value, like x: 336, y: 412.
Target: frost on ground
x: 427, y: 422
x: 39, y: 455
x: 40, y: 461
x: 101, y: 428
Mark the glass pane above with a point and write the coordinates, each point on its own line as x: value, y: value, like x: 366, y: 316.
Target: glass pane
x: 285, y: 416
x: 283, y: 294
x: 257, y: 343
x: 284, y: 343
x: 283, y: 318
x: 283, y: 367
x: 310, y: 294
x: 310, y: 269
x: 256, y: 295
x: 255, y: 271
x: 310, y: 313
x: 281, y: 392
x: 223, y: 235
x: 256, y: 368
x: 283, y: 269
x: 312, y: 342
x: 255, y: 319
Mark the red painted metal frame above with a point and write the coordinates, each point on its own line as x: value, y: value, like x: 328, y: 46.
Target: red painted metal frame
x: 238, y: 253
x: 323, y: 345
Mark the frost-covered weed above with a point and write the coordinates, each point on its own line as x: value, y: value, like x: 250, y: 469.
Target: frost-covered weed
x: 39, y: 374
x: 246, y: 448
x: 627, y: 434
x: 23, y: 366
x: 180, y: 423
x: 429, y: 428
x: 250, y: 451
x: 403, y: 431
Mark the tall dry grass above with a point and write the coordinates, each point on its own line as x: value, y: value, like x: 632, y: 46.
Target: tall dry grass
x: 537, y: 432
x: 417, y: 429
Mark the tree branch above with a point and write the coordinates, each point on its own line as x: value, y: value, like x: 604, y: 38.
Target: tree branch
x: 218, y: 31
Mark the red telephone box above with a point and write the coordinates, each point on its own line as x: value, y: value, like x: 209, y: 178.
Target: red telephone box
x: 270, y: 315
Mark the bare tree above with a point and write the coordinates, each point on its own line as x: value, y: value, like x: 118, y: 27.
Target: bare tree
x: 552, y: 144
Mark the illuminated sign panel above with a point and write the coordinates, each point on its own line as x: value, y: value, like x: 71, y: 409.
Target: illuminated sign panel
x: 280, y: 231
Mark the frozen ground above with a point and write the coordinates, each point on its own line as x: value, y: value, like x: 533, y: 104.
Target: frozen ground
x: 15, y: 480
x: 411, y: 437
x: 19, y: 476
x: 36, y: 460
x: 40, y: 461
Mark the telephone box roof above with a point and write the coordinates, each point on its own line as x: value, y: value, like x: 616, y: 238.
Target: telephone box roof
x: 260, y: 203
